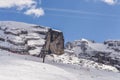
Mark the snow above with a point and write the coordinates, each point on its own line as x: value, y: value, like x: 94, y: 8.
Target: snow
x: 35, y: 36
x: 15, y: 24
x: 56, y: 30
x: 11, y: 46
x: 90, y: 74
x: 83, y: 39
x: 72, y: 59
x: 35, y: 51
x: 16, y: 39
x: 25, y: 67
x: 36, y: 42
x: 21, y: 25
x: 16, y: 68
x: 2, y: 34
x: 99, y: 47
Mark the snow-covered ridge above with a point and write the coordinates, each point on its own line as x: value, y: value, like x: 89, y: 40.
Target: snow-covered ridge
x: 15, y: 24
x: 19, y: 36
x: 106, y: 53
x: 27, y: 38
x: 14, y: 67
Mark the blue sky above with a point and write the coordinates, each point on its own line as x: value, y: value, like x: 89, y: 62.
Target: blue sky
x: 97, y: 20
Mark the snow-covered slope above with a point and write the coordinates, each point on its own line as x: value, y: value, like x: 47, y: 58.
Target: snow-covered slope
x: 72, y: 59
x: 21, y: 67
x: 15, y: 67
x: 106, y: 53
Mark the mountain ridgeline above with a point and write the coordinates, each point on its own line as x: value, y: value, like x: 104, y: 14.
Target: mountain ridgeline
x: 107, y: 53
x: 23, y: 38
x: 30, y: 39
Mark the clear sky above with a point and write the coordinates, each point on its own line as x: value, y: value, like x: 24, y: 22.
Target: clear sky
x: 97, y: 20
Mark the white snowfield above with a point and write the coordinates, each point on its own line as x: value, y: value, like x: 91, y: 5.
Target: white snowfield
x: 16, y: 68
x: 21, y: 67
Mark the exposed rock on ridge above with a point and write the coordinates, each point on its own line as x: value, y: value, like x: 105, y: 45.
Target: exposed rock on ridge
x: 26, y: 38
x: 107, y: 53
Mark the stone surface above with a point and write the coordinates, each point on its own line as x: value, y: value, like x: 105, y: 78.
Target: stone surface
x: 55, y: 42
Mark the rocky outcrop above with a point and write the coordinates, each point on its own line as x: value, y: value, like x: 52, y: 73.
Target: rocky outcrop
x: 55, y: 42
x: 30, y: 39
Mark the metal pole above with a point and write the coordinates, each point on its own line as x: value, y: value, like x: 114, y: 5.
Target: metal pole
x: 44, y: 55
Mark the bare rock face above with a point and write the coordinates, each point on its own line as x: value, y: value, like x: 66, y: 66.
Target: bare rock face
x: 30, y: 39
x: 55, y: 42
